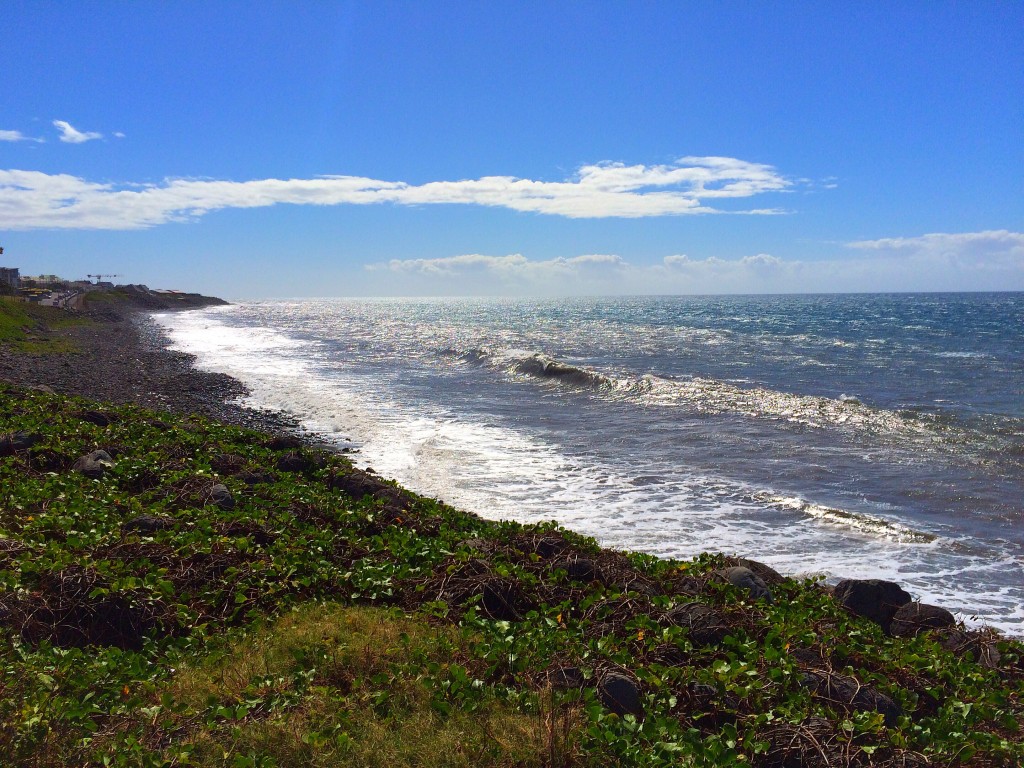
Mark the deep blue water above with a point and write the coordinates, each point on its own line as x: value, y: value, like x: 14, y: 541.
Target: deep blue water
x: 871, y: 435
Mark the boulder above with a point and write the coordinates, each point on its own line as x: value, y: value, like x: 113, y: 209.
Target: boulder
x: 620, y: 693
x: 221, y: 496
x: 705, y: 625
x: 98, y: 418
x: 873, y: 599
x: 93, y: 465
x: 636, y: 584
x: 961, y: 643
x: 566, y: 678
x: 227, y: 464
x: 283, y: 443
x: 848, y: 693
x: 768, y: 574
x: 482, y: 546
x: 746, y: 579
x: 73, y: 608
x: 252, y: 531
x: 914, y: 618
x: 147, y: 524
x: 255, y: 478
x: 549, y: 546
x: 502, y: 600
x: 357, y: 484
x: 17, y: 441
x: 295, y: 461
x: 581, y: 569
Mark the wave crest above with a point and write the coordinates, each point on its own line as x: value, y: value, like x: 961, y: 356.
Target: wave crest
x: 710, y: 396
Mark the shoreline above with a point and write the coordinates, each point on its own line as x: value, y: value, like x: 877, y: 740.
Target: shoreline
x: 184, y: 537
x: 123, y: 357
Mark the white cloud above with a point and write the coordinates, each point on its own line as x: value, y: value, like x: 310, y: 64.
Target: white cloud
x: 71, y: 135
x: 761, y: 261
x: 977, y: 261
x: 514, y: 272
x: 17, y: 136
x: 978, y: 248
x: 118, y: 135
x: 585, y: 274
x: 32, y: 199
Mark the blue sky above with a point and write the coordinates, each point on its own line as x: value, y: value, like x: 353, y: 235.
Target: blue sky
x: 289, y: 149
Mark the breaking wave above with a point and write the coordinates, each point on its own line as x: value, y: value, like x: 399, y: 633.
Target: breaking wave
x: 712, y: 396
x: 859, y: 522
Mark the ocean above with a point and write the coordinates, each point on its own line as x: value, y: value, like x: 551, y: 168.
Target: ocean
x: 860, y: 436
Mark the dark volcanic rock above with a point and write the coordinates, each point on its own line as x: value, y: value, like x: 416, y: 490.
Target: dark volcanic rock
x: 582, y: 569
x: 221, y: 496
x: 253, y: 531
x: 549, y: 546
x: 70, y: 610
x: 873, y: 599
x: 566, y: 678
x: 94, y: 464
x: 227, y: 464
x: 148, y: 524
x: 124, y: 359
x: 620, y: 694
x: 637, y: 584
x: 503, y: 600
x: 17, y: 441
x: 848, y: 693
x: 746, y: 579
x: 295, y: 461
x: 768, y: 574
x: 359, y: 485
x: 706, y: 625
x: 961, y: 643
x: 914, y: 618
x: 255, y: 477
x: 98, y: 418
x: 283, y: 443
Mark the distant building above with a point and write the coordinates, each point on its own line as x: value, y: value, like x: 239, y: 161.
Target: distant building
x: 10, y: 276
x: 43, y: 281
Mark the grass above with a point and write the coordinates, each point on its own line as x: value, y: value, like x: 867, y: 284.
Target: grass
x: 333, y: 685
x: 25, y: 328
x: 308, y: 624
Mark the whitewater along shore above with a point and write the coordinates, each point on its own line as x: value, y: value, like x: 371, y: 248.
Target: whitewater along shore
x: 112, y: 351
x: 176, y: 590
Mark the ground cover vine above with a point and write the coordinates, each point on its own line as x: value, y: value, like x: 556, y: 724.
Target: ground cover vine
x: 177, y: 591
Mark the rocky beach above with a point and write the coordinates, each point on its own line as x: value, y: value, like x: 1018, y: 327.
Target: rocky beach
x: 122, y: 357
x: 152, y: 543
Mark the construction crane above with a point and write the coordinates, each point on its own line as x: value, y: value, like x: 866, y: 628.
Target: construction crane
x: 99, y: 278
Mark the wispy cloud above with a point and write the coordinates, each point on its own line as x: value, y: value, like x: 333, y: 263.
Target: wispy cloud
x: 71, y: 135
x: 969, y: 247
x: 967, y: 261
x: 511, y: 267
x: 31, y: 199
x: 585, y: 274
x: 17, y: 136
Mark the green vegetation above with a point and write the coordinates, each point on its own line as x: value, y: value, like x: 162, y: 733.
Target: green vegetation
x: 108, y: 296
x: 317, y: 616
x: 26, y: 327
